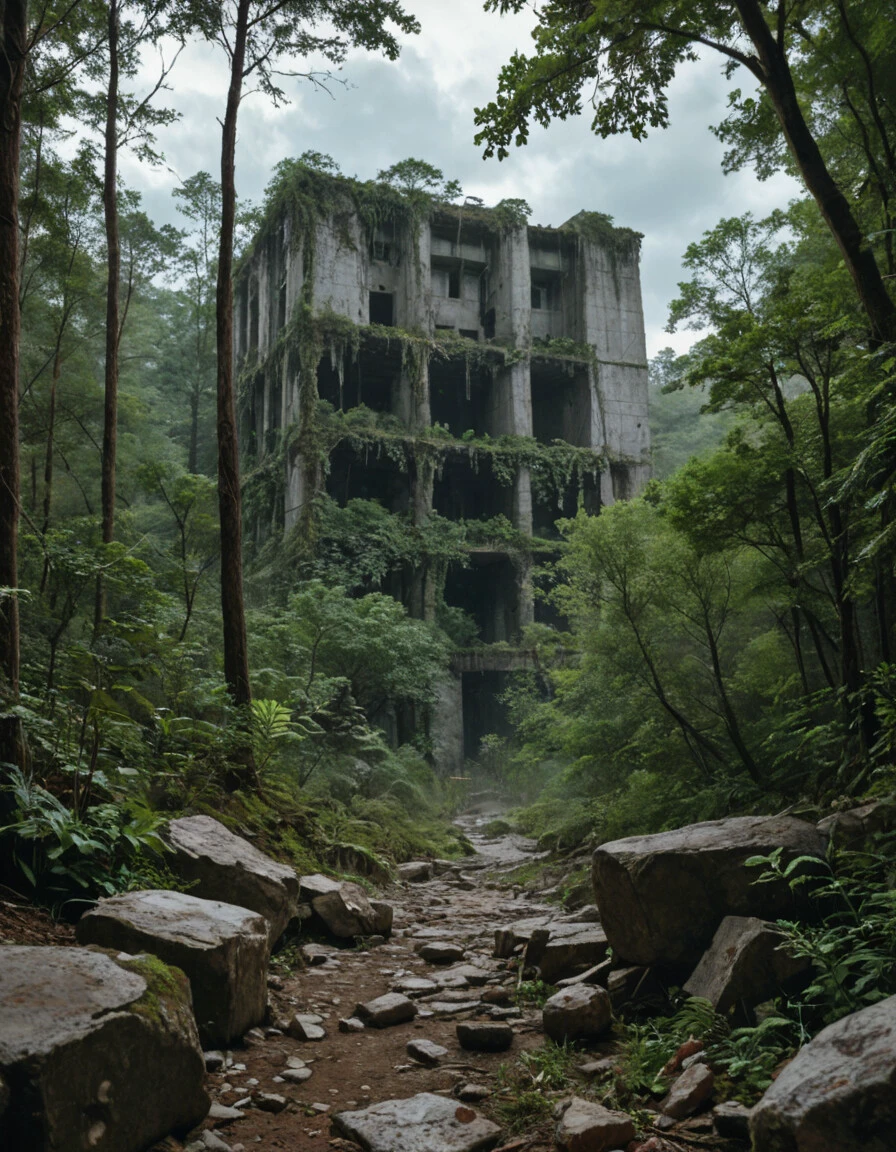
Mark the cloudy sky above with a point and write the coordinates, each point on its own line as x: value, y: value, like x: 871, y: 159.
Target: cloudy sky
x: 670, y: 186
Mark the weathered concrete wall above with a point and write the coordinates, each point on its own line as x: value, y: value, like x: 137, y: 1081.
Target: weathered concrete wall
x: 517, y: 286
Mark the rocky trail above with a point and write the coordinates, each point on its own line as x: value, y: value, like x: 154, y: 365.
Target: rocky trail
x: 440, y: 955
x: 417, y: 1022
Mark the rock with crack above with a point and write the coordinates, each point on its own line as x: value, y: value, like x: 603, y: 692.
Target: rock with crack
x: 662, y: 897
x: 492, y: 1037
x: 582, y: 1012
x: 97, y: 1051
x: 585, y: 1126
x: 222, y: 948
x: 385, y: 1011
x: 745, y: 964
x: 838, y: 1094
x: 415, y: 872
x: 853, y: 829
x: 223, y: 866
x: 420, y: 1124
x: 511, y: 937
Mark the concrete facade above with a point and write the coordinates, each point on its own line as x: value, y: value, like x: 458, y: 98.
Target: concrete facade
x: 460, y: 328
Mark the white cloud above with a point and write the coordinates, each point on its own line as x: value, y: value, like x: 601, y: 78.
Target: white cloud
x: 670, y: 186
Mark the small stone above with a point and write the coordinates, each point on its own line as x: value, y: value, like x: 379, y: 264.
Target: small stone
x: 214, y: 1061
x: 475, y: 1037
x: 351, y: 1024
x: 692, y: 1089
x: 321, y: 1108
x: 253, y: 1034
x: 426, y: 1052
x: 473, y: 1093
x: 213, y: 1143
x: 386, y: 1011
x: 223, y: 1114
x: 275, y: 982
x: 441, y: 952
x: 497, y: 996
x: 296, y: 1075
x: 306, y: 1027
x: 294, y: 1062
x: 270, y: 1102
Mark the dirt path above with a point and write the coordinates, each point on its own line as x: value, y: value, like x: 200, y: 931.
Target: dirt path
x: 352, y: 1070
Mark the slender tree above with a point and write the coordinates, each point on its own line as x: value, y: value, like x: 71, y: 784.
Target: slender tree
x: 13, y: 56
x: 261, y: 38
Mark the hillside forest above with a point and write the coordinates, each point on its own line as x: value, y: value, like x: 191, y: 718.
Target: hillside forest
x: 729, y: 636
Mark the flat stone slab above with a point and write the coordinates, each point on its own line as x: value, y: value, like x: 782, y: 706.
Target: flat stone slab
x: 423, y: 1123
x: 426, y: 1051
x: 384, y: 1011
x: 415, y: 986
x: 223, y: 866
x: 838, y: 1094
x: 223, y: 949
x: 68, y: 1017
x: 440, y: 952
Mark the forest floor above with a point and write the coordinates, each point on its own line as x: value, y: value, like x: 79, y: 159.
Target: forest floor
x: 350, y: 1071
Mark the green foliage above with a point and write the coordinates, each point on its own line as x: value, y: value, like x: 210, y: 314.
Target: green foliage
x: 852, y: 950
x: 63, y: 854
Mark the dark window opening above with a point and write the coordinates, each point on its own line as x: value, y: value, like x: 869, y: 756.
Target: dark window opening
x: 454, y: 283
x: 545, y: 293
x: 461, y: 397
x: 381, y: 250
x: 356, y: 476
x: 462, y: 493
x: 488, y: 592
x: 561, y: 404
x: 381, y: 309
x: 547, y: 511
x: 371, y: 379
x: 483, y: 710
x: 489, y: 322
x: 470, y: 333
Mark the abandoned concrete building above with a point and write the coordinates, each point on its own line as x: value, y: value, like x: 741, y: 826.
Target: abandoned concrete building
x: 452, y: 363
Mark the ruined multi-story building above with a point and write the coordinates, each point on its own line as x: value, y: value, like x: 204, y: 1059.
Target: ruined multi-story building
x: 444, y: 361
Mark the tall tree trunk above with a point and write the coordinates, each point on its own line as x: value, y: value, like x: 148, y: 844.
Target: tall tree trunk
x: 48, y: 461
x: 236, y: 653
x: 12, y: 76
x: 113, y: 279
x: 774, y: 73
x: 193, y: 457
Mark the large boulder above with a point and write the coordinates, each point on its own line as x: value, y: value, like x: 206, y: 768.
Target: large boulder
x: 223, y: 949
x: 420, y: 1124
x: 222, y: 866
x: 745, y: 964
x: 839, y: 1092
x: 662, y: 897
x: 97, y: 1051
